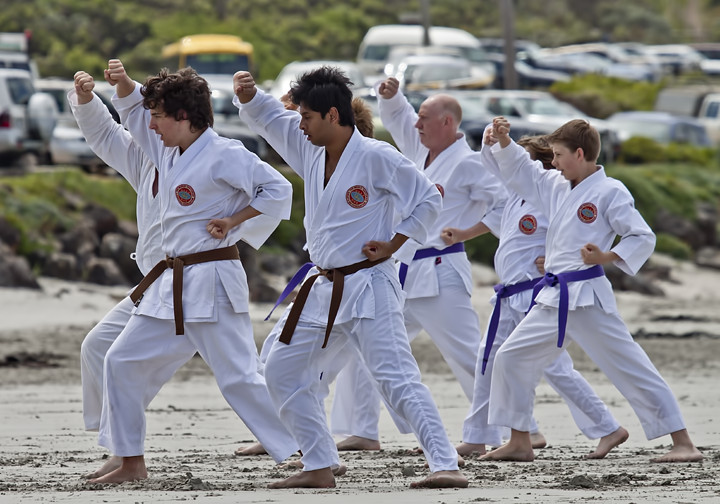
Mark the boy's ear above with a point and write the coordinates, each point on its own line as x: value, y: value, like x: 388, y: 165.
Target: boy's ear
x: 580, y: 154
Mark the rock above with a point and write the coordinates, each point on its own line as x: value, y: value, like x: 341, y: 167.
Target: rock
x: 708, y: 257
x: 61, y: 265
x: 103, y: 220
x: 9, y: 234
x: 15, y: 270
x: 104, y: 271
x: 118, y: 247
x: 82, y: 240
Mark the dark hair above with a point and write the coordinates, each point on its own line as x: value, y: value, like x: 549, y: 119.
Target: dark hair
x: 539, y: 149
x: 578, y: 134
x: 182, y: 95
x: 324, y: 88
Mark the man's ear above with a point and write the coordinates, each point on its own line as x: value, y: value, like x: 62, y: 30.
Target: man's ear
x: 333, y: 113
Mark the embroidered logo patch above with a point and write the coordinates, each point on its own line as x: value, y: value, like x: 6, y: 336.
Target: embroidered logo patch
x: 185, y: 194
x: 356, y: 196
x: 441, y: 189
x: 528, y: 224
x: 587, y: 213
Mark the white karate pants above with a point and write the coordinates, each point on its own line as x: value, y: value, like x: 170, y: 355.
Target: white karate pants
x: 454, y: 327
x: 532, y: 346
x: 293, y: 379
x: 591, y: 415
x: 148, y: 352
x: 92, y: 357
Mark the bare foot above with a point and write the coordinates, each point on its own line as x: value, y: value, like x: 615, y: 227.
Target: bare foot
x: 357, y: 443
x: 321, y: 478
x: 254, y: 449
x: 297, y: 464
x: 470, y: 449
x: 110, y: 465
x: 538, y: 440
x: 131, y: 469
x: 519, y: 449
x: 609, y: 442
x: 442, y: 479
x: 680, y: 453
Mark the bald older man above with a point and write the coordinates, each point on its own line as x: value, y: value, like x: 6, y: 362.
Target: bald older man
x: 436, y: 278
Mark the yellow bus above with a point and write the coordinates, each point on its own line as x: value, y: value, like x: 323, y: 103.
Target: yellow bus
x: 210, y: 54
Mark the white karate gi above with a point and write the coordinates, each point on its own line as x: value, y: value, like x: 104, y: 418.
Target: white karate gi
x: 522, y: 240
x: 371, y: 184
x: 596, y: 211
x: 214, y: 178
x: 438, y: 288
x: 114, y: 145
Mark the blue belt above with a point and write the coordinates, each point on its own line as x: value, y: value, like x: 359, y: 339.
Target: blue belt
x: 429, y: 252
x: 562, y: 279
x: 502, y: 292
x: 294, y: 282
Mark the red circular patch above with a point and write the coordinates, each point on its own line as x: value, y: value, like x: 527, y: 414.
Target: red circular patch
x: 527, y: 224
x: 587, y: 213
x: 185, y: 194
x: 356, y: 196
x: 441, y: 189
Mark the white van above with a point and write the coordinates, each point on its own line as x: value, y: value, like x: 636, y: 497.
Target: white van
x: 375, y: 46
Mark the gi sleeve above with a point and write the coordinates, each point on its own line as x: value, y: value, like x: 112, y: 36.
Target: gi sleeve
x: 637, y: 240
x: 267, y: 117
x: 136, y: 118
x: 399, y: 117
x: 108, y: 139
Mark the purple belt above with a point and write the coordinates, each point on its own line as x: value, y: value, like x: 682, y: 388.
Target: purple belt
x: 501, y: 292
x: 429, y: 252
x: 550, y: 280
x: 294, y: 282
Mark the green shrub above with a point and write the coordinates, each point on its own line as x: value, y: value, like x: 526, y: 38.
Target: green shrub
x: 672, y: 246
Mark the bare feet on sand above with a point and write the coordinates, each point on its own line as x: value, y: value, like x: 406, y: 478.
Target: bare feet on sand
x: 609, y: 442
x: 320, y: 478
x: 683, y: 449
x: 131, y: 469
x: 442, y: 479
x: 470, y: 449
x: 357, y: 443
x: 538, y: 440
x: 297, y: 464
x: 254, y: 449
x: 518, y: 449
x: 110, y: 465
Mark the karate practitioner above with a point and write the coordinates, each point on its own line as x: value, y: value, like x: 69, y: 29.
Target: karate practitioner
x: 114, y: 145
x: 202, y: 304
x: 436, y: 278
x: 363, y: 199
x: 586, y: 211
x: 522, y: 242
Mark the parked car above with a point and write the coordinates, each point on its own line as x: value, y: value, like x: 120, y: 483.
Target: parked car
x: 292, y: 71
x: 662, y: 127
x: 676, y: 59
x: 699, y: 101
x: 67, y: 144
x: 710, y: 64
x: 27, y: 118
x: 543, y: 109
x: 438, y: 72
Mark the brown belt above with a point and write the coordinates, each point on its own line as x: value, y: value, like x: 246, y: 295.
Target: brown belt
x: 337, y: 277
x: 177, y: 263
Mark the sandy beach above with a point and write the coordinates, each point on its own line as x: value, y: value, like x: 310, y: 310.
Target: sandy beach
x: 192, y: 433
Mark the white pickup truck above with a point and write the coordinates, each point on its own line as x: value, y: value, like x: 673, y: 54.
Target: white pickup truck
x: 702, y: 102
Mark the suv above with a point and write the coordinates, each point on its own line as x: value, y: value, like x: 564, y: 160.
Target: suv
x: 27, y: 118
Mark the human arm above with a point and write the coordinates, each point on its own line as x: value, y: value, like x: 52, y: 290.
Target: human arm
x: 219, y: 228
x: 269, y: 118
x: 375, y: 250
x: 399, y: 118
x: 591, y: 254
x: 451, y: 235
x: 108, y: 139
x: 116, y: 75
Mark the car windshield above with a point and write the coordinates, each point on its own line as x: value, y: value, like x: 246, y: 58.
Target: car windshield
x: 20, y: 90
x: 431, y: 73
x: 657, y: 131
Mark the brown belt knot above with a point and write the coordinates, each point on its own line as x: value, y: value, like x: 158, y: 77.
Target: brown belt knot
x: 176, y: 264
x: 337, y: 277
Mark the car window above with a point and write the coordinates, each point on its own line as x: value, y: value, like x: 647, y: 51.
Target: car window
x: 20, y: 90
x: 712, y: 109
